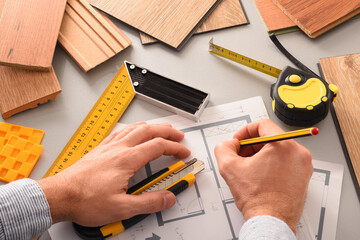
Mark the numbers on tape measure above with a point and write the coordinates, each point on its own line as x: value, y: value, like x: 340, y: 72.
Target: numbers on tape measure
x: 249, y: 62
x: 98, y: 123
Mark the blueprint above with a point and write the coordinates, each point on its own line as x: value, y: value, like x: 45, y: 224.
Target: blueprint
x: 207, y: 210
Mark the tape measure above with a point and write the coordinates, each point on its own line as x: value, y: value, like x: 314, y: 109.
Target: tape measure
x: 98, y: 123
x: 299, y: 98
x: 129, y: 81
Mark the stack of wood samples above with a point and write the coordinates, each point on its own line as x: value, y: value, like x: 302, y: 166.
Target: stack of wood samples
x: 22, y: 89
x: 88, y: 36
x: 315, y: 17
x: 170, y: 21
x: 29, y: 30
x: 344, y: 71
x: 274, y: 19
x: 229, y: 13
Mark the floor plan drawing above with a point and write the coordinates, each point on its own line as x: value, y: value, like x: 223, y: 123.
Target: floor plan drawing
x: 207, y: 210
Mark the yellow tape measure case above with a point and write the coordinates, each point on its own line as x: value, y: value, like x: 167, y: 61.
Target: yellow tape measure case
x: 300, y: 98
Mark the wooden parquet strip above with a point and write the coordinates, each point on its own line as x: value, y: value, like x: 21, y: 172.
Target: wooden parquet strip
x: 275, y: 20
x: 315, y: 17
x: 344, y: 71
x: 22, y: 89
x: 29, y: 30
x: 89, y: 36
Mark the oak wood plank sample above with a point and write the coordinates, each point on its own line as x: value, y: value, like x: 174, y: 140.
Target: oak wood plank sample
x: 22, y: 89
x: 228, y: 13
x: 88, y: 36
x: 315, y: 17
x: 274, y: 19
x: 170, y: 21
x: 344, y: 71
x: 29, y: 30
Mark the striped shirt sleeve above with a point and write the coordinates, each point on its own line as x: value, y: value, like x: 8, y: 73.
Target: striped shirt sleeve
x: 24, y: 210
x: 266, y: 228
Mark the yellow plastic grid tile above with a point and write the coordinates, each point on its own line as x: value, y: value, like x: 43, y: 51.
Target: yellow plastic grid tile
x: 17, y: 158
x: 7, y: 130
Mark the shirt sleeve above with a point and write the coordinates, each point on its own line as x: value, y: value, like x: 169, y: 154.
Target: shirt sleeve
x: 24, y: 210
x: 266, y: 227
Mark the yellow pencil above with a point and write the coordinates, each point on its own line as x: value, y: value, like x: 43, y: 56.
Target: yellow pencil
x: 281, y: 136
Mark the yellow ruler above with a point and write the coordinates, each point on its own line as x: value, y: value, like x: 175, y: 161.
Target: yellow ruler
x: 249, y: 62
x: 98, y: 123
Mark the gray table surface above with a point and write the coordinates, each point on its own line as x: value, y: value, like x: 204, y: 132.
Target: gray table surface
x: 193, y: 65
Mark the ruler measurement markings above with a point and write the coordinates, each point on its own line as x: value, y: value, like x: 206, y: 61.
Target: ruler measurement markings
x: 98, y: 123
x: 110, y: 111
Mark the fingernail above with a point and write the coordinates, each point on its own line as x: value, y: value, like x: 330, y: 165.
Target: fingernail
x: 165, y: 124
x: 169, y: 199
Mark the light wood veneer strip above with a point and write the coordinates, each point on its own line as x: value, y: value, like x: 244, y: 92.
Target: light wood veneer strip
x: 29, y: 30
x: 229, y: 13
x: 170, y: 21
x: 88, y: 36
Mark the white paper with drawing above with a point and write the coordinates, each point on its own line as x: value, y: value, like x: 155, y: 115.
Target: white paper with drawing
x: 207, y: 210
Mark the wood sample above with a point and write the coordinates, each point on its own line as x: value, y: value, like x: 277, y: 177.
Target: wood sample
x: 29, y: 30
x: 315, y: 17
x: 22, y: 89
x: 228, y: 13
x: 89, y: 36
x: 170, y: 21
x: 344, y: 71
x: 275, y: 20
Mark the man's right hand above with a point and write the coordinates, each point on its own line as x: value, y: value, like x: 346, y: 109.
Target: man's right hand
x: 266, y: 179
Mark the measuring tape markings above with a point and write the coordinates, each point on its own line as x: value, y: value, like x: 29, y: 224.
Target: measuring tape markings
x: 98, y: 123
x: 249, y: 62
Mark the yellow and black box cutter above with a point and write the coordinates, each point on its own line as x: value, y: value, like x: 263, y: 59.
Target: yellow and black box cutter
x: 175, y: 178
x: 299, y: 98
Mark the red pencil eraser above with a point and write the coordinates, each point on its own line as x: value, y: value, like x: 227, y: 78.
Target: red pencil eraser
x: 314, y: 131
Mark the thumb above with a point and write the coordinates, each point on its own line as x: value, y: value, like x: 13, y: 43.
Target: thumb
x: 227, y: 149
x: 152, y: 202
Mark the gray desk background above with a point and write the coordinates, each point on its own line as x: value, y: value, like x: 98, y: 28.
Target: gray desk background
x: 193, y: 65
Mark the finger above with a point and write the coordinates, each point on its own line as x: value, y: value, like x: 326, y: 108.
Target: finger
x: 125, y: 131
x: 155, y: 148
x: 226, y: 154
x: 227, y: 150
x: 148, y: 202
x: 114, y: 134
x: 148, y: 132
x: 257, y: 129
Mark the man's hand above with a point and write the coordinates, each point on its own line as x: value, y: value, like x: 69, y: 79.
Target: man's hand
x: 92, y: 192
x: 266, y: 179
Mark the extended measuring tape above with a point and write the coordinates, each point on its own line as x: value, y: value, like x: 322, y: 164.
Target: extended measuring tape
x: 129, y: 81
x: 300, y: 98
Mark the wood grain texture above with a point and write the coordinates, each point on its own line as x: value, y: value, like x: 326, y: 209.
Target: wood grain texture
x: 22, y: 89
x: 275, y: 20
x: 88, y: 36
x: 315, y: 17
x: 344, y: 71
x: 29, y: 30
x: 228, y: 13
x: 170, y: 21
